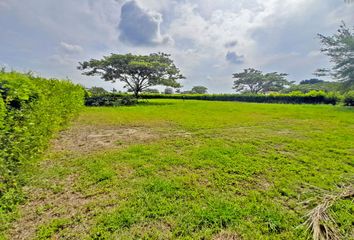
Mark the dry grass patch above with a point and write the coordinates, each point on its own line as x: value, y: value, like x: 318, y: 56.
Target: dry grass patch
x: 319, y: 220
x: 88, y: 139
x: 225, y: 235
x: 45, y: 205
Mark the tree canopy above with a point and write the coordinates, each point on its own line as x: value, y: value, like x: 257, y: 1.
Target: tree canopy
x: 311, y: 81
x: 199, y: 89
x: 340, y: 49
x: 168, y: 90
x: 254, y: 81
x: 138, y: 72
x: 97, y: 91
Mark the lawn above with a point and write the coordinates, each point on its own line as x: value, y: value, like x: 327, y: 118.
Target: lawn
x: 173, y: 169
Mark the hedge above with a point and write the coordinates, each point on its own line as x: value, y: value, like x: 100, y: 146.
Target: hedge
x: 313, y: 97
x: 349, y: 98
x: 32, y: 110
x: 110, y: 100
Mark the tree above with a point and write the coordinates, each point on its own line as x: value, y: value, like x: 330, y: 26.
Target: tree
x: 138, y: 72
x: 168, y: 90
x: 97, y: 91
x: 340, y: 49
x: 151, y: 90
x: 320, y: 86
x: 254, y: 81
x: 199, y: 89
x: 311, y: 81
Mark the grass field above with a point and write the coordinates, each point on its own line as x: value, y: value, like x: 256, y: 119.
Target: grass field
x: 175, y: 169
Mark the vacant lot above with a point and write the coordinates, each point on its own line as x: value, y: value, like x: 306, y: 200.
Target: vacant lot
x: 191, y: 170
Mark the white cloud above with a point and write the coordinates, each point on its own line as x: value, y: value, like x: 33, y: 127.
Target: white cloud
x: 71, y: 48
x: 139, y: 26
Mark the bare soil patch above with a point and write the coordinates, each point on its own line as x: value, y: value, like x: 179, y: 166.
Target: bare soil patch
x: 224, y: 235
x: 88, y: 139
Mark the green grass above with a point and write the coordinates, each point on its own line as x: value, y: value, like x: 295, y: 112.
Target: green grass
x: 241, y: 169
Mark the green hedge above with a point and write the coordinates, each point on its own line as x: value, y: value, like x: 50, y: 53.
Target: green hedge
x: 313, y: 97
x: 110, y: 100
x: 32, y: 109
x: 349, y: 98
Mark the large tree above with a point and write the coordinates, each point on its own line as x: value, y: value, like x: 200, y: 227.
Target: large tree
x: 97, y: 91
x: 254, y: 81
x: 340, y: 49
x: 199, y: 89
x: 138, y: 72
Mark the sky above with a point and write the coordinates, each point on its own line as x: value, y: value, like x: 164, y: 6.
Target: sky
x: 209, y: 40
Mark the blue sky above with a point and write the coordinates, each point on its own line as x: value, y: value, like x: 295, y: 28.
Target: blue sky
x: 209, y: 40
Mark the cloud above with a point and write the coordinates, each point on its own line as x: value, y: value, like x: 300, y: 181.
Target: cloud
x: 139, y: 26
x: 230, y: 44
x: 203, y: 35
x: 232, y: 57
x: 70, y: 48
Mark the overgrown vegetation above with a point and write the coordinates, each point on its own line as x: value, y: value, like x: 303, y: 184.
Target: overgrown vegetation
x: 32, y: 109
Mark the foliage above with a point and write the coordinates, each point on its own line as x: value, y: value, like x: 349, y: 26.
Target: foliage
x: 32, y: 109
x: 199, y: 90
x: 136, y: 71
x: 151, y: 90
x: 311, y: 81
x: 187, y: 92
x: 211, y: 170
x: 340, y: 49
x: 312, y: 97
x: 97, y: 91
x: 168, y: 91
x: 110, y: 100
x: 349, y: 99
x: 254, y: 81
x: 320, y: 86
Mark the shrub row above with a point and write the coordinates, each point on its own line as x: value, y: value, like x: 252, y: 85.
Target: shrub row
x: 349, y: 98
x: 313, y: 97
x: 32, y: 109
x: 110, y: 100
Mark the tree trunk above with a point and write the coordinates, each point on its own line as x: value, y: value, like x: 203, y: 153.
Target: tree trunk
x: 136, y: 94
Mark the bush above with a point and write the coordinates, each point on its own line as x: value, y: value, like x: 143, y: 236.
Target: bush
x: 32, y: 109
x: 297, y: 97
x: 313, y: 97
x: 110, y: 100
x: 349, y: 99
